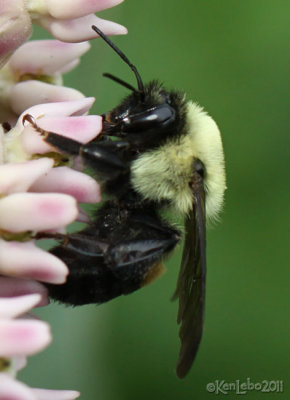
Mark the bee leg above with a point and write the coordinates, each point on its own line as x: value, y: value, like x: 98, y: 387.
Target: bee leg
x: 95, y: 155
x: 104, y: 156
x: 131, y: 261
x: 114, y: 255
x: 89, y: 279
x: 99, y: 272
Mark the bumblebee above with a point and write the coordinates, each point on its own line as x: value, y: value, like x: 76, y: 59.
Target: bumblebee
x: 156, y: 150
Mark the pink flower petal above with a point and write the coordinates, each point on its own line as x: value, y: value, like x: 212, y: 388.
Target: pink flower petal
x: 23, y: 337
x: 61, y: 109
x: 24, y: 95
x: 26, y: 260
x: 44, y: 394
x: 65, y: 180
x: 69, y: 66
x: 22, y: 212
x: 10, y: 287
x: 46, y: 56
x: 78, y: 8
x: 83, y: 129
x: 79, y: 29
x: 11, y: 389
x: 15, y: 306
x: 15, y: 27
x: 19, y: 177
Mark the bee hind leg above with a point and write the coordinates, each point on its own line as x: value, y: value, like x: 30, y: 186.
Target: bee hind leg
x: 109, y: 259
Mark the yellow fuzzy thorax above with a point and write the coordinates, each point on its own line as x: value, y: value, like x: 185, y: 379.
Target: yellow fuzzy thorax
x: 164, y: 173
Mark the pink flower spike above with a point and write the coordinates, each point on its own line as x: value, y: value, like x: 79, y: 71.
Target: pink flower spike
x: 77, y: 8
x: 44, y: 394
x: 23, y: 337
x: 24, y: 95
x: 19, y: 177
x: 12, y: 287
x: 16, y: 306
x: 46, y: 56
x: 22, y: 212
x: 11, y: 389
x: 79, y: 29
x: 26, y: 260
x: 66, y: 180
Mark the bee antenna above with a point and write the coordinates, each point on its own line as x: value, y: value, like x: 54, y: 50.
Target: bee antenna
x: 124, y: 58
x: 120, y: 81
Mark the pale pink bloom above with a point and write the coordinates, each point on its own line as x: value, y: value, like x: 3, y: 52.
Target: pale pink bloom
x: 47, y: 57
x: 10, y: 389
x: 32, y: 92
x: 15, y: 178
x: 33, y: 76
x: 28, y: 183
x: 22, y: 212
x: 17, y: 305
x: 26, y: 260
x: 78, y: 8
x: 15, y: 27
x: 67, y: 118
x: 66, y: 20
x: 79, y: 29
x: 42, y: 394
x: 23, y: 336
x: 19, y: 338
x: 65, y: 180
x: 10, y: 286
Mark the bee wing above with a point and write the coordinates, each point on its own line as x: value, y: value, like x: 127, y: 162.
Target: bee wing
x: 191, y: 282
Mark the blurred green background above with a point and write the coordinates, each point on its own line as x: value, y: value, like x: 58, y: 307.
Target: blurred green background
x: 233, y: 58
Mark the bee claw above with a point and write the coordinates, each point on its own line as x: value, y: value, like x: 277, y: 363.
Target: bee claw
x: 28, y: 118
x: 31, y: 120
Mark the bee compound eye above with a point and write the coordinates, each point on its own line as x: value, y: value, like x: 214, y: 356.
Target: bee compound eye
x: 156, y: 118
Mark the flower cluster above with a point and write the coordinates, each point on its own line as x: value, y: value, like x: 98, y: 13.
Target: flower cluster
x: 66, y: 20
x: 38, y: 193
